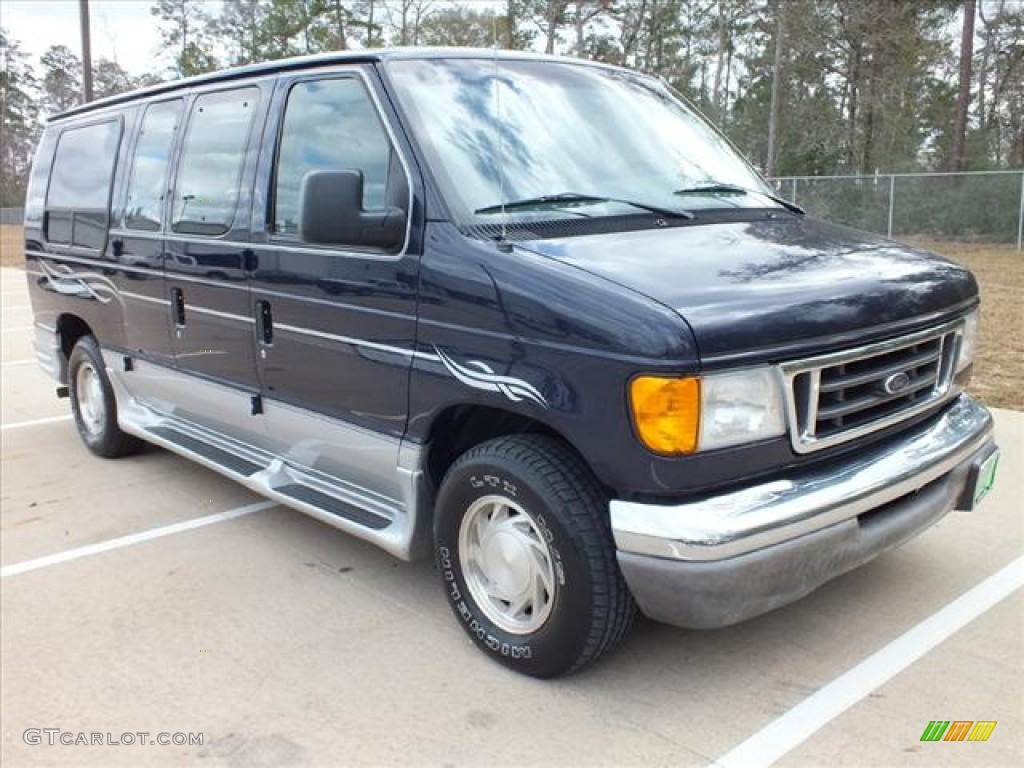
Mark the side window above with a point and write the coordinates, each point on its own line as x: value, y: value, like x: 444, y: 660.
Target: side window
x: 147, y: 185
x: 212, y: 159
x: 77, y: 202
x: 35, y: 195
x: 329, y: 125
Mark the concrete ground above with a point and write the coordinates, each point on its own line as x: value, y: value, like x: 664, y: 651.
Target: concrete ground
x: 287, y: 643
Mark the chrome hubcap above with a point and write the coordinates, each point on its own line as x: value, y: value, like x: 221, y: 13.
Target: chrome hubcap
x: 89, y: 394
x: 507, y: 564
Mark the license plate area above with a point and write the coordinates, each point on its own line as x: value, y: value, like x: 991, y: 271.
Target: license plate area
x: 980, y: 480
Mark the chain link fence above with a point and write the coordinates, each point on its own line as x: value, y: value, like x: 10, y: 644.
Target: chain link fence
x: 12, y: 215
x: 980, y: 205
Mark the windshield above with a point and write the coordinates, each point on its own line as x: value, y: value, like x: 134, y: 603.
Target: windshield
x: 565, y: 140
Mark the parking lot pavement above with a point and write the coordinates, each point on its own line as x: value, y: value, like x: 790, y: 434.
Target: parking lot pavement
x: 964, y: 677
x: 60, y: 497
x: 285, y: 642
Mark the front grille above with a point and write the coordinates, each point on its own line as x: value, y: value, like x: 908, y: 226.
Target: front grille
x: 839, y: 397
x: 854, y: 393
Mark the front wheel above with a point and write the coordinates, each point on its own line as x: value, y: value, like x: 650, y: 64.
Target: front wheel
x: 93, y: 403
x: 526, y: 554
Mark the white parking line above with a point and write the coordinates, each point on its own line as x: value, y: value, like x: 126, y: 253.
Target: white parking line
x: 16, y: 328
x: 13, y: 363
x: 135, y: 538
x: 35, y: 422
x: 791, y: 729
x: 14, y: 307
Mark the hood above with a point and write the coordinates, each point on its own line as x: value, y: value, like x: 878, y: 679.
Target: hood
x: 773, y: 287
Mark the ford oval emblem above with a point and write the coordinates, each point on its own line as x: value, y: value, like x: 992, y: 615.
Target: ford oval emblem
x: 896, y: 383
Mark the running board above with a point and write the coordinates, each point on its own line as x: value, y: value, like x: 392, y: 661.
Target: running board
x: 231, y: 461
x: 311, y: 477
x: 307, y: 495
x: 342, y: 506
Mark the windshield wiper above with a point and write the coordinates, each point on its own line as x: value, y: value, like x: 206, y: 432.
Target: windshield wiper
x: 720, y: 187
x: 575, y: 197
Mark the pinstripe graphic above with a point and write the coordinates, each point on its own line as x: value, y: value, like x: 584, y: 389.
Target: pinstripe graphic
x: 66, y: 281
x: 479, y: 375
x: 473, y: 373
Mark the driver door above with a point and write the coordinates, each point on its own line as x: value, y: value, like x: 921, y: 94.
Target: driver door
x: 336, y: 325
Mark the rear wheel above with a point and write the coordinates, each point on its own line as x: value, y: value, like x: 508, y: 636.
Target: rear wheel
x: 527, y: 558
x: 93, y: 403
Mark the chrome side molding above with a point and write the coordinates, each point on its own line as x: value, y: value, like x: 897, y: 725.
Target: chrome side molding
x: 399, y: 524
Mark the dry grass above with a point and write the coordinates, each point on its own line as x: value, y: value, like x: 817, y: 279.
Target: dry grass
x: 11, y: 245
x: 999, y: 361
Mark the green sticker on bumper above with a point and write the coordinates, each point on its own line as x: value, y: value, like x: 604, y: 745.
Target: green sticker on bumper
x: 986, y: 477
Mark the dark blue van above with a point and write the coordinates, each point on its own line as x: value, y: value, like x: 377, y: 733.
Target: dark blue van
x: 529, y: 314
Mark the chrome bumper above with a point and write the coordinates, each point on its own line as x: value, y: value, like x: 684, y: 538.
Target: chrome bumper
x: 730, y: 557
x: 735, y: 523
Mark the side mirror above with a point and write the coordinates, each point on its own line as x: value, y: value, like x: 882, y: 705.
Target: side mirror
x: 331, y: 213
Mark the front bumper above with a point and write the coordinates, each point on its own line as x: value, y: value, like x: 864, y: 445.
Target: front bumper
x: 733, y: 556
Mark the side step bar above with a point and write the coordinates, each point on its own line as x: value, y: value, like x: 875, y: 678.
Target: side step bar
x: 305, y: 494
x: 237, y: 464
x: 367, y: 516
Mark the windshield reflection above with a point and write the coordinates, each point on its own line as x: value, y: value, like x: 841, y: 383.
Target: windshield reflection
x: 512, y: 130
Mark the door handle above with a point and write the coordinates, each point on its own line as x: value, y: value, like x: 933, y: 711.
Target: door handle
x: 264, y: 323
x: 178, y: 306
x: 250, y: 262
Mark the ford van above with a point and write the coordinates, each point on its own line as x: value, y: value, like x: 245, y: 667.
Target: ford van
x: 530, y: 316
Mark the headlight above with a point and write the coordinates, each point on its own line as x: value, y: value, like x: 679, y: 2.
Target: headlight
x: 968, y: 341
x: 741, y: 407
x: 684, y: 415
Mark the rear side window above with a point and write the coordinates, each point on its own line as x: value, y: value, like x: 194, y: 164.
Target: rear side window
x: 212, y: 159
x: 78, y: 199
x: 35, y: 195
x: 329, y: 125
x: 147, y: 186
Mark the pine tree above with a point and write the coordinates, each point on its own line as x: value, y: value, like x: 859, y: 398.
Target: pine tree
x: 62, y: 79
x: 19, y: 104
x: 185, y: 29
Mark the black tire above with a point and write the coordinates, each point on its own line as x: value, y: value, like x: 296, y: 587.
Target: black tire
x: 591, y: 608
x: 94, y: 405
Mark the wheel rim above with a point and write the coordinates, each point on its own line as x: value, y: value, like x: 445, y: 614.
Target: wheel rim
x: 92, y: 406
x: 507, y: 564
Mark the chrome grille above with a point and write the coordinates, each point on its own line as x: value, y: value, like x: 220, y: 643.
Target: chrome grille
x: 839, y: 397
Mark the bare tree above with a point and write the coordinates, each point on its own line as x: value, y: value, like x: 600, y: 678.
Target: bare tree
x: 775, y: 109
x: 584, y: 13
x: 963, y: 101
x: 722, y: 30
x: 405, y: 18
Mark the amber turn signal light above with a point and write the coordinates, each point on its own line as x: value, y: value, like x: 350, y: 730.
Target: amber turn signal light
x: 666, y: 412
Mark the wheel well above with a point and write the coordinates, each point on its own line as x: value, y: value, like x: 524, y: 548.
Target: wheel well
x: 459, y: 428
x: 71, y: 328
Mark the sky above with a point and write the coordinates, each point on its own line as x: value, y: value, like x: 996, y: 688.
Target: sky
x: 121, y: 29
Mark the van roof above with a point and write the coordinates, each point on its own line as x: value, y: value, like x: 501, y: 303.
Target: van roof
x: 304, y: 62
